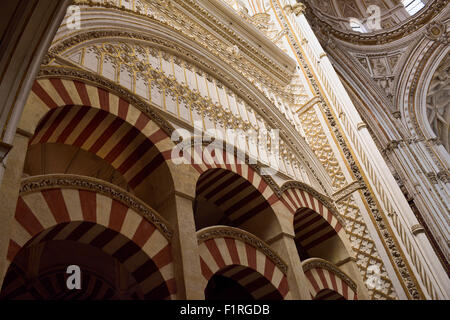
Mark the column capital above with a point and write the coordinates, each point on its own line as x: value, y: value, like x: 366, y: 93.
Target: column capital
x: 297, y: 8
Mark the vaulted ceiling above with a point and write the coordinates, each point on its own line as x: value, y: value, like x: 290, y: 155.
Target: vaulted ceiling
x: 337, y: 13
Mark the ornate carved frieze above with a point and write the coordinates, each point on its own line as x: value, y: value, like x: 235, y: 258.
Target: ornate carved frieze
x: 318, y: 141
x: 346, y: 191
x: 174, y: 14
x: 364, y: 248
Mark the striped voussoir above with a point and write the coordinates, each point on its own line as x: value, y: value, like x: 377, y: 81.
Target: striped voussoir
x: 240, y: 195
x: 327, y: 294
x: 97, y: 121
x: 95, y: 219
x: 321, y: 280
x: 52, y: 285
x: 314, y: 223
x: 247, y: 265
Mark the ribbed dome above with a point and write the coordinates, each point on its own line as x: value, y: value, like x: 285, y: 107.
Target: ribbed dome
x: 339, y: 13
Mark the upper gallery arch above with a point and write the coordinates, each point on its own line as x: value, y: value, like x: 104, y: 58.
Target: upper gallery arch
x: 250, y: 104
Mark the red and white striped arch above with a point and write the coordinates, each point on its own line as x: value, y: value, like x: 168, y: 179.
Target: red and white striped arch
x: 295, y: 199
x: 244, y: 263
x: 242, y: 169
x: 236, y: 196
x: 75, y: 113
x: 313, y: 222
x: 320, y: 279
x: 95, y: 219
x: 52, y: 285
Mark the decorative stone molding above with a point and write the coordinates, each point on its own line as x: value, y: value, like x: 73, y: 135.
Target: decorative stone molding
x: 268, y: 112
x: 392, y: 145
x: 436, y: 31
x: 167, y: 12
x: 311, y: 103
x: 444, y: 176
x: 417, y: 228
x: 317, y: 139
x: 4, y: 150
x: 414, y: 139
x: 397, y: 257
x: 67, y: 181
x: 361, y: 126
x: 315, y: 263
x: 432, y: 177
x: 298, y: 8
x: 347, y: 190
x: 235, y: 233
x: 79, y: 74
x: 397, y: 114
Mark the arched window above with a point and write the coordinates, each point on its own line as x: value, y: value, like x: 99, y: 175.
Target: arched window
x: 413, y: 6
x: 357, y: 26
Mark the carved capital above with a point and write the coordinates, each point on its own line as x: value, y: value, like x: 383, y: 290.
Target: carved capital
x: 299, y: 8
x: 432, y: 177
x: 416, y: 229
x: 4, y: 150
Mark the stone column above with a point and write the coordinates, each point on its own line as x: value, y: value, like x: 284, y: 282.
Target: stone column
x: 9, y: 192
x: 348, y: 266
x: 282, y: 242
x: 27, y: 28
x: 178, y: 209
x: 284, y: 245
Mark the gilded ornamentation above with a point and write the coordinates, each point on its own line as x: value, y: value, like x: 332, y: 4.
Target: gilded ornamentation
x: 317, y: 140
x: 396, y: 255
x: 364, y: 248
